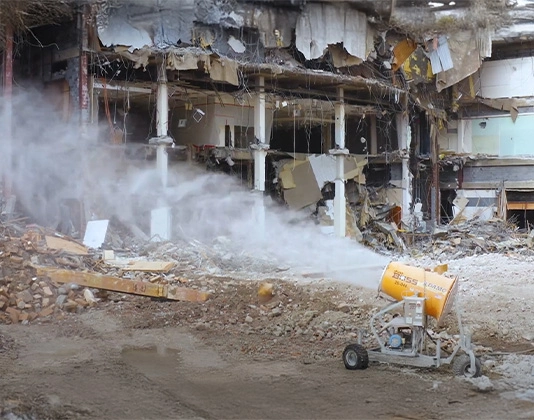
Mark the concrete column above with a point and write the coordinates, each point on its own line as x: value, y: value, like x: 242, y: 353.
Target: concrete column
x: 6, y: 139
x: 83, y: 81
x: 161, y: 220
x: 373, y: 148
x: 340, y: 206
x: 405, y: 139
x: 260, y: 147
x: 259, y: 111
x: 162, y: 124
x: 259, y: 153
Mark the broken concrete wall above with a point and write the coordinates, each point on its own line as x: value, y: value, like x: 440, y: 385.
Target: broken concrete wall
x: 321, y: 24
x: 158, y: 23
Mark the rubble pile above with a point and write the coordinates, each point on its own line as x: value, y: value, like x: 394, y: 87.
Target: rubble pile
x: 42, y: 270
x: 218, y: 258
x: 470, y: 238
x: 25, y: 297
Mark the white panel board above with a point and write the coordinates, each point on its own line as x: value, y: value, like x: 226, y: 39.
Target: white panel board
x: 95, y: 233
x: 507, y: 78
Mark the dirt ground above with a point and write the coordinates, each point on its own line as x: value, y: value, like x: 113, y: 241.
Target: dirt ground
x: 234, y: 357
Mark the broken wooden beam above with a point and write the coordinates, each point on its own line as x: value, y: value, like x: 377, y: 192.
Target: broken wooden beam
x: 140, y: 265
x: 66, y: 245
x: 100, y: 281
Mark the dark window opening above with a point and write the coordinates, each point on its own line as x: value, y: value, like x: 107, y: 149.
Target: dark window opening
x: 227, y: 136
x: 59, y: 66
x: 447, y: 198
x: 386, y: 133
x: 377, y: 175
x: 298, y: 139
x: 520, y: 206
x: 357, y: 135
x: 524, y: 219
x: 243, y: 136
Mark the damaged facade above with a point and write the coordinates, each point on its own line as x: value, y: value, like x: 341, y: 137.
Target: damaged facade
x: 355, y: 112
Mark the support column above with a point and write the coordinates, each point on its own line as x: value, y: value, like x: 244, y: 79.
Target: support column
x: 435, y: 199
x: 260, y: 147
x: 373, y: 148
x: 6, y: 142
x: 405, y: 139
x: 83, y: 84
x: 162, y: 125
x: 161, y: 226
x: 340, y: 204
x: 259, y: 152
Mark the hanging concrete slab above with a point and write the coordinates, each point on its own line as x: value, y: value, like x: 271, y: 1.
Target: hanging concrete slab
x: 321, y: 24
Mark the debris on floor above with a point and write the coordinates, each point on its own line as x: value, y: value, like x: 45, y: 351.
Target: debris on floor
x: 45, y: 273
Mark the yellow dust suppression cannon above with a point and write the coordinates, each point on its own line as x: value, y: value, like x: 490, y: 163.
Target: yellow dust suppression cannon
x: 400, y: 329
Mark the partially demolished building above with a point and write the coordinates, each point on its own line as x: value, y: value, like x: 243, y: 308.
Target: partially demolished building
x: 404, y: 113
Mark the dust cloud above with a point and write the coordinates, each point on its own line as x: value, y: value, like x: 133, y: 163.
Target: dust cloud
x: 53, y: 165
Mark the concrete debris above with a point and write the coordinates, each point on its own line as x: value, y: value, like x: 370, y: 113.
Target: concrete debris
x: 65, y: 245
x: 42, y: 271
x: 482, y: 384
x: 470, y: 238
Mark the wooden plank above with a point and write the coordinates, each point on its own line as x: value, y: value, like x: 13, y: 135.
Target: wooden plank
x: 100, y: 281
x: 65, y: 245
x: 134, y: 265
x: 520, y: 205
x: 159, y: 266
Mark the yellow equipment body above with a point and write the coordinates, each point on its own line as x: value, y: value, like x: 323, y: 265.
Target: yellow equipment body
x: 439, y: 291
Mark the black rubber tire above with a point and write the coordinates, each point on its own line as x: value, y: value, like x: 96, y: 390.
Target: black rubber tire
x: 355, y: 357
x: 461, y: 366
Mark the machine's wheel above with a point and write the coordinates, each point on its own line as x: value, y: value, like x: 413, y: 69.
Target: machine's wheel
x: 462, y: 365
x: 355, y: 357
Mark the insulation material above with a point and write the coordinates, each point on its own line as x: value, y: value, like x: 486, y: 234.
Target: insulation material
x: 306, y: 190
x: 321, y: 24
x: 139, y: 57
x: 402, y: 51
x: 466, y: 59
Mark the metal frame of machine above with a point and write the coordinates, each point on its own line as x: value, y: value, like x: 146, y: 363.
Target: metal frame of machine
x: 403, y: 339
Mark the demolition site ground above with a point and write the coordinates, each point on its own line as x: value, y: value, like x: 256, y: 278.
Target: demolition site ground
x: 234, y: 356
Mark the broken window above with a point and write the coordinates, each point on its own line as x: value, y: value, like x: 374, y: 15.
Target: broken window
x: 298, y: 138
x: 243, y: 136
x: 358, y: 135
x: 386, y: 133
x: 520, y: 208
